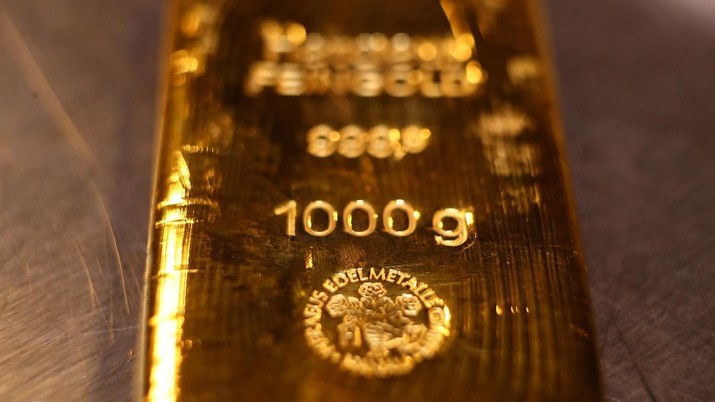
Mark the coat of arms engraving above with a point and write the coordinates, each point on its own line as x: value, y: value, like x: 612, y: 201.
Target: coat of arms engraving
x: 377, y: 333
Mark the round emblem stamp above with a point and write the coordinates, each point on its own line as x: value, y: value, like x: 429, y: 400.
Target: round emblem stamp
x: 375, y: 322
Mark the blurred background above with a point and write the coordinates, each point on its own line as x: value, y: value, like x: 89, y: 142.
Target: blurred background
x: 78, y: 86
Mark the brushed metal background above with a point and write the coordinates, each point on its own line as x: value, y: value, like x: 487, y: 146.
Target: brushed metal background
x: 77, y: 108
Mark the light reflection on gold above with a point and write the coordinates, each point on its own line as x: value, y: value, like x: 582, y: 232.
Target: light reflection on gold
x: 167, y: 322
x: 475, y: 73
x: 457, y: 21
x: 271, y: 29
x: 309, y: 258
x: 523, y: 69
x: 394, y: 134
x: 504, y: 122
x: 199, y: 25
x: 378, y: 42
x: 461, y: 47
x: 197, y: 19
x: 520, y: 198
x: 181, y: 175
x: 427, y: 51
x: 183, y: 62
x: 173, y: 226
x: 514, y: 309
x: 469, y: 218
x: 413, y: 216
x: 507, y: 158
x: 334, y: 136
x: 501, y: 132
x: 414, y: 77
x: 295, y: 33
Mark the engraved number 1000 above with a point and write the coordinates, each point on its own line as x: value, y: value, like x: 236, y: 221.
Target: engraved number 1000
x: 456, y: 236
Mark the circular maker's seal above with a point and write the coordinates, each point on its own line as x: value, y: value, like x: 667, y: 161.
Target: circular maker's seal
x: 375, y: 322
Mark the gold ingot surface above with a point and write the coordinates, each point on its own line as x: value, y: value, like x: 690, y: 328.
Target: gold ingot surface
x: 441, y: 263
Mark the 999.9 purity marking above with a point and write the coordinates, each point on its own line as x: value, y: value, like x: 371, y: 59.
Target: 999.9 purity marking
x: 462, y: 220
x: 380, y: 141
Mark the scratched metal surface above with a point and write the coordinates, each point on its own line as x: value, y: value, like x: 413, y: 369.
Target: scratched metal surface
x: 77, y: 93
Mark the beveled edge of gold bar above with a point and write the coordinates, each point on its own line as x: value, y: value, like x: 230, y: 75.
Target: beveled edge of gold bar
x: 169, y: 21
x: 543, y: 31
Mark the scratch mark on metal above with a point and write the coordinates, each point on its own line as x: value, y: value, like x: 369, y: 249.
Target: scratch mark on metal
x: 29, y: 276
x: 137, y: 286
x: 646, y: 385
x: 84, y: 334
x: 685, y: 394
x: 93, y: 293
x: 111, y: 317
x: 612, y: 318
x: 36, y: 79
x: 115, y: 245
x: 99, y: 265
x: 11, y: 38
x: 90, y: 283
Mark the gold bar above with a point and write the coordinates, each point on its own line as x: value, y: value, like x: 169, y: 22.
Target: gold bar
x: 364, y: 201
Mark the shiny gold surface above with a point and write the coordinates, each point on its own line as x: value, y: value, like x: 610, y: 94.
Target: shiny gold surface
x: 363, y: 201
